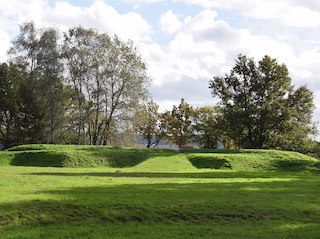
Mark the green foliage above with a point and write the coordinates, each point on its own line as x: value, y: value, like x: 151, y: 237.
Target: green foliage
x: 21, y: 113
x: 151, y: 126
x: 10, y: 103
x: 37, y: 97
x: 206, y: 131
x: 86, y: 103
x: 179, y: 123
x: 228, y: 142
x: 260, y: 108
x: 104, y: 71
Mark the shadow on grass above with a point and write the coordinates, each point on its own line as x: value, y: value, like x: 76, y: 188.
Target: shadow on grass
x: 209, y: 162
x: 77, y: 230
x: 122, y: 158
x: 295, y: 165
x: 271, y: 208
x: 227, y: 174
x: 192, y: 203
x: 168, y: 203
x: 219, y: 151
x: 38, y: 159
x: 114, y: 157
x: 286, y: 208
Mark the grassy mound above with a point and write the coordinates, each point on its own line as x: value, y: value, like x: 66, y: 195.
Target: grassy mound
x: 173, y: 163
x: 28, y: 147
x: 243, y: 160
x: 75, y: 156
x: 142, y: 159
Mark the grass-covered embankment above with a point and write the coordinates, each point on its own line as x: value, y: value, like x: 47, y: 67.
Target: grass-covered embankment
x: 251, y: 159
x: 143, y: 159
x: 74, y: 156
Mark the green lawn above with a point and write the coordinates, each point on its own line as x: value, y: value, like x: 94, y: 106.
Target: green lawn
x: 142, y: 159
x: 163, y: 196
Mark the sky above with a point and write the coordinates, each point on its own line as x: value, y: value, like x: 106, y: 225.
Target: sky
x: 185, y: 43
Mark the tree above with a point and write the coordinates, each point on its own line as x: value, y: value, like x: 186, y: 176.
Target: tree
x: 259, y: 104
x: 151, y: 127
x: 110, y: 76
x: 24, y: 50
x: 179, y: 123
x: 10, y: 79
x: 36, y: 52
x: 20, y: 108
x: 206, y: 128
x: 50, y: 67
x: 76, y: 50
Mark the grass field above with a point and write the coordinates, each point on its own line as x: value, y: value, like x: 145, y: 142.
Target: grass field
x: 157, y: 194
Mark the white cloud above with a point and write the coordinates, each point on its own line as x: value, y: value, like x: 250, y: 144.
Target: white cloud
x: 19, y: 11
x: 63, y: 15
x: 305, y: 68
x: 288, y: 12
x: 169, y: 22
x: 4, y: 45
x: 102, y: 17
x: 285, y: 12
x: 205, y: 46
x: 294, y: 13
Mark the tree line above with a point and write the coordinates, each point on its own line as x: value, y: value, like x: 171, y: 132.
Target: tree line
x: 84, y: 87
x: 259, y: 108
x: 79, y: 87
x: 182, y: 125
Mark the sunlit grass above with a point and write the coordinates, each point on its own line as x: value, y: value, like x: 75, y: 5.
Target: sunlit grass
x: 153, y: 160
x: 160, y: 194
x: 107, y: 203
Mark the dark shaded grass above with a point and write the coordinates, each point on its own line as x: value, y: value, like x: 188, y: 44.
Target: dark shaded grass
x: 130, y: 157
x: 39, y: 159
x: 209, y: 162
x: 114, y: 157
x: 296, y: 200
x: 215, y: 174
x: 249, y: 230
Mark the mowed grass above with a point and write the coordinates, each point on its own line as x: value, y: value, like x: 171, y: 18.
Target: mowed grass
x: 142, y: 159
x: 163, y: 196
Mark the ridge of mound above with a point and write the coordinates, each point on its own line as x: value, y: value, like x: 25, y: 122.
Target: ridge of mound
x: 251, y: 159
x: 143, y: 159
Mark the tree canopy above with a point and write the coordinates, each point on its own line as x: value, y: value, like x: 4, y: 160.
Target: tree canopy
x: 151, y: 126
x: 260, y: 107
x: 79, y: 86
x: 86, y: 87
x: 178, y: 123
x: 206, y: 130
